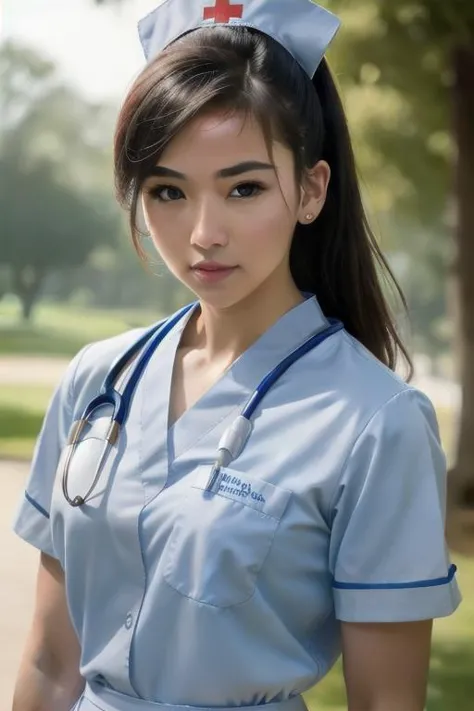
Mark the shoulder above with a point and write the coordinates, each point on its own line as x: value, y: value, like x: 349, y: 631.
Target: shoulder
x: 367, y: 391
x: 97, y: 358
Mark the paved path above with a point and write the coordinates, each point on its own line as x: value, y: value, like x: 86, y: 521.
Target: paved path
x: 18, y: 564
x: 31, y: 370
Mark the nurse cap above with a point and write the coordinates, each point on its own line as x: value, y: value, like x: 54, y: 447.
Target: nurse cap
x: 302, y: 27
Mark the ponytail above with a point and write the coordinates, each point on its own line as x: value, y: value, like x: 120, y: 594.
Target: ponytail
x: 337, y: 256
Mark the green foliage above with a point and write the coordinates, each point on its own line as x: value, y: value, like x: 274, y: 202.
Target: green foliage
x: 62, y: 234
x: 393, y: 59
x: 46, y: 224
x: 395, y: 66
x: 21, y: 413
x: 51, y: 217
x: 63, y: 331
x: 399, y: 53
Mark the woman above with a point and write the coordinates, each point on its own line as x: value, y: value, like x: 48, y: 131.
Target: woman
x: 175, y: 578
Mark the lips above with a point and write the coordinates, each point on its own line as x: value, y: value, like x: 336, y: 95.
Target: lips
x: 212, y: 272
x: 212, y: 267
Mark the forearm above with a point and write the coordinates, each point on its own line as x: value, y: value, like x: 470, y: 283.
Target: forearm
x: 35, y: 691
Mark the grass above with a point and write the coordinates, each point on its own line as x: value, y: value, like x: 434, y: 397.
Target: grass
x: 61, y: 331
x: 21, y: 413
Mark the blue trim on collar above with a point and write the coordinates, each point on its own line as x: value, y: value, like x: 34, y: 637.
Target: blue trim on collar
x: 397, y: 586
x: 36, y: 505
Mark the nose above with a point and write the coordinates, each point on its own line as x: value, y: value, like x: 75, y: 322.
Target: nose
x: 209, y: 228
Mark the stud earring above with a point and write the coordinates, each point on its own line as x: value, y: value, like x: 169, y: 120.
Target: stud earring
x: 309, y: 216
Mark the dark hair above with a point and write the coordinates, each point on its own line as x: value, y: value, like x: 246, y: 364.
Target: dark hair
x: 337, y: 257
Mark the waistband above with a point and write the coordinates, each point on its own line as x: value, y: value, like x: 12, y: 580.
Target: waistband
x: 98, y: 698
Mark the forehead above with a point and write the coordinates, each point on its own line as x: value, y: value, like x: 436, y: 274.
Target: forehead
x: 221, y: 136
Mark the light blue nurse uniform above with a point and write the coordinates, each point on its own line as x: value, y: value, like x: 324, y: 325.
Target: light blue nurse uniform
x: 334, y: 511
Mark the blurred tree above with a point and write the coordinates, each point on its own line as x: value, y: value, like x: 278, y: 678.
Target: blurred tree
x: 43, y: 119
x: 418, y: 55
x: 52, y: 216
x: 45, y: 226
x: 117, y: 278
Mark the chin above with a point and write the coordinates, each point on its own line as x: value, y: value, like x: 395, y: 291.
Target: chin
x: 219, y: 299
x: 221, y: 295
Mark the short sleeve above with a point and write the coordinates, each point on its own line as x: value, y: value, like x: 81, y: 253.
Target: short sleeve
x: 31, y: 521
x: 388, y: 553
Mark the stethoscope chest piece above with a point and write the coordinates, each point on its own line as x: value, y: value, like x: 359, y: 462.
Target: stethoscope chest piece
x: 77, y: 431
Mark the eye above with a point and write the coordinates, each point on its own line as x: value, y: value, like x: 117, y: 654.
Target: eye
x: 166, y: 193
x: 247, y: 190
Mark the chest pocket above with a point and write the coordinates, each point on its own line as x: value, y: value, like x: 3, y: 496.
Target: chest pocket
x: 221, y: 540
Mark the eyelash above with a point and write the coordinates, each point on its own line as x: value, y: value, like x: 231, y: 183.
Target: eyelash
x: 156, y: 192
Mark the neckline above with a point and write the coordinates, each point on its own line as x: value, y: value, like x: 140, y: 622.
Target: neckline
x: 227, y: 395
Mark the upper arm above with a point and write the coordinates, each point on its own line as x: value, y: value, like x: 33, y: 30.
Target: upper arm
x: 388, y: 553
x: 53, y: 647
x: 386, y: 665
x: 32, y: 517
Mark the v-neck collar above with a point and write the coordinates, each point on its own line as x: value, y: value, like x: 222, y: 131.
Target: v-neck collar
x: 226, y: 396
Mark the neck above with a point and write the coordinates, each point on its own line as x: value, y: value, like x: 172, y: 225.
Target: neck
x: 224, y: 334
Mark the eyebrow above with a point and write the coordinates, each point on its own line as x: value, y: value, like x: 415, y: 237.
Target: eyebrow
x: 232, y: 171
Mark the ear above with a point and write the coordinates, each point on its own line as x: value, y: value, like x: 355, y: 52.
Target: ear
x: 313, y: 192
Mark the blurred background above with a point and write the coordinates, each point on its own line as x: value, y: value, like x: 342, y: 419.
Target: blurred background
x: 68, y: 273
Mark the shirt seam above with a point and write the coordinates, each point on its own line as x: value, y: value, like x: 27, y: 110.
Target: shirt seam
x: 364, y: 352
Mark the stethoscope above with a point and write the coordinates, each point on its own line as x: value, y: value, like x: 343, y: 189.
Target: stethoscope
x: 235, y: 437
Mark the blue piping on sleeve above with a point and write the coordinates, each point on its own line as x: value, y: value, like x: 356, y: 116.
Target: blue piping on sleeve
x: 36, y: 505
x: 397, y: 586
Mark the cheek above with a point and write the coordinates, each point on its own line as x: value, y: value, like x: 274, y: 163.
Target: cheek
x: 162, y: 228
x: 271, y: 229
x: 170, y: 250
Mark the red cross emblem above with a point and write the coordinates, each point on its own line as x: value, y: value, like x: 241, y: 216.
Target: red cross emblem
x: 223, y: 11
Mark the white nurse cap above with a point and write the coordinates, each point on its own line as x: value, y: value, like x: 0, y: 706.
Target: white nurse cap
x: 302, y: 27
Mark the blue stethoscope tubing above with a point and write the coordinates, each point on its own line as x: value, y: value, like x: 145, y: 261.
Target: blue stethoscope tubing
x: 233, y: 440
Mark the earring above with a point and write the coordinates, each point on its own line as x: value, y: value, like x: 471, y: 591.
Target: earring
x: 309, y: 217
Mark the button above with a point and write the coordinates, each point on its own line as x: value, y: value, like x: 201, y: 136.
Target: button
x: 129, y: 620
